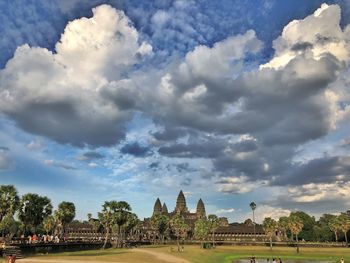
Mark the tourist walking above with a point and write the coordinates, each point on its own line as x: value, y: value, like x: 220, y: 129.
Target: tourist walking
x: 342, y: 260
x: 268, y: 260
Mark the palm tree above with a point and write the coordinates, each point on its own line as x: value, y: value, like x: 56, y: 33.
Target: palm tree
x: 283, y: 226
x: 270, y: 227
x: 344, y: 225
x: 295, y: 225
x: 213, y: 222
x: 107, y: 218
x: 122, y: 212
x: 334, y: 226
x: 253, y: 207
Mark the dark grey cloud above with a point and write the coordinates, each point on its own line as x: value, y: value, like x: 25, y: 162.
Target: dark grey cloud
x: 319, y: 170
x: 302, y: 46
x: 4, y: 148
x: 204, y: 149
x: 136, y: 149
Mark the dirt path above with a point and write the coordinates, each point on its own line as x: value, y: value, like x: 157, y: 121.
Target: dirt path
x: 162, y: 256
x: 35, y: 260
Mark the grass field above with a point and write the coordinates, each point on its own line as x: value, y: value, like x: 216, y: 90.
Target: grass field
x: 224, y: 254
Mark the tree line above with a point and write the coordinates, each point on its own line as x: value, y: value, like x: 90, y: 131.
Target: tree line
x: 34, y: 214
x: 301, y: 226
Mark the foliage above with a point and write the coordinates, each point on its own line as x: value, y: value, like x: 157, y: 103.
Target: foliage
x: 113, y: 214
x: 201, y: 230
x: 213, y: 224
x: 9, y: 201
x: 161, y: 224
x: 9, y: 226
x: 34, y: 209
x: 65, y: 214
x: 283, y: 225
x: 307, y: 233
x: 49, y: 224
x: 178, y: 227
x: 270, y: 227
x: 344, y: 225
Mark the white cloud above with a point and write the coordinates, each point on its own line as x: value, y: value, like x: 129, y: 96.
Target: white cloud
x: 35, y: 145
x: 63, y: 94
x: 316, y: 36
x: 225, y: 211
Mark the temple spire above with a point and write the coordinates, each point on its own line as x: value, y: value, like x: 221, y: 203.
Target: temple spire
x: 157, y: 210
x: 165, y: 209
x: 200, y: 212
x: 181, y: 203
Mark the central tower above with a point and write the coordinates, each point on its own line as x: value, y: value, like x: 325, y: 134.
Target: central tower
x: 181, y: 204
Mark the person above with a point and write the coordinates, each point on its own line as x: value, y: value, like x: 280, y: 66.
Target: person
x: 11, y: 259
x: 280, y: 260
x: 342, y: 260
x: 268, y: 260
x: 274, y: 260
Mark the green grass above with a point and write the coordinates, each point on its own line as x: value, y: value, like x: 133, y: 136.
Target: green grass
x: 227, y: 254
x: 221, y: 254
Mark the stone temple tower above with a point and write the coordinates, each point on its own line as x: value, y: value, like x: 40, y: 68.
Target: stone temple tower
x: 165, y: 209
x: 157, y: 210
x: 200, y: 212
x: 181, y: 204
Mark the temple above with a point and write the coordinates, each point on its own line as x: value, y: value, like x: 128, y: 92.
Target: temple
x: 182, y: 209
x: 226, y: 232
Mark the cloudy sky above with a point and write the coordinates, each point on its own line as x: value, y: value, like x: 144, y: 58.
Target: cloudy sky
x: 230, y: 101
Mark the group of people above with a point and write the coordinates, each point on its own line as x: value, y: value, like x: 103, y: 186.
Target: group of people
x: 274, y: 260
x: 32, y: 239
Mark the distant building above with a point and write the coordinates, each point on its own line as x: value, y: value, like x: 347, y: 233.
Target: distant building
x: 225, y: 231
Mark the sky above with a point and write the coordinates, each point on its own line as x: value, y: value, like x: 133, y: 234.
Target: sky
x: 230, y: 101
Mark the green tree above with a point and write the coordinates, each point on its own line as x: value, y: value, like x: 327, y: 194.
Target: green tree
x: 344, y: 225
x: 213, y: 223
x: 131, y: 223
x: 9, y: 201
x: 270, y: 226
x: 161, y: 224
x: 113, y: 214
x: 201, y: 230
x: 65, y: 214
x: 253, y: 207
x: 49, y: 224
x: 307, y: 233
x: 33, y: 209
x: 322, y: 230
x: 283, y: 226
x: 295, y: 224
x: 9, y: 226
x: 107, y: 218
x: 179, y: 228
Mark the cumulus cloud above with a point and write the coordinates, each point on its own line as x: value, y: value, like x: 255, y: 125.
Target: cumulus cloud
x: 60, y: 95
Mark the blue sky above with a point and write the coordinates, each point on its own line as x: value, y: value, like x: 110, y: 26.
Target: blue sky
x: 230, y: 101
